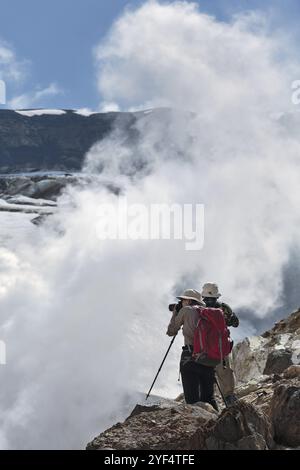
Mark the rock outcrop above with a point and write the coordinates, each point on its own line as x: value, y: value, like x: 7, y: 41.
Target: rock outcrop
x: 266, y: 415
x: 241, y: 426
x: 37, y: 193
x: 271, y: 353
x: 45, y: 186
x: 171, y: 426
x: 285, y: 412
x: 188, y: 427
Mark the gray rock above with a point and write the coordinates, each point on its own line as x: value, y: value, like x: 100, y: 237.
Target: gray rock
x: 278, y: 361
x: 241, y: 426
x: 37, y: 187
x: 40, y: 219
x: 285, y: 413
x: 270, y: 353
x: 292, y: 372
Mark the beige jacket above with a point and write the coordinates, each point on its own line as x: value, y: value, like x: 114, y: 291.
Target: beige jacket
x: 187, y: 317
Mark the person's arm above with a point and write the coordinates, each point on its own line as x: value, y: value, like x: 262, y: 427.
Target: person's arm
x: 176, y: 322
x: 234, y: 320
x: 230, y: 316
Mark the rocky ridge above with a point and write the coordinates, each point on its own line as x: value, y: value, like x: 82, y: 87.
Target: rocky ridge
x: 266, y: 416
x: 46, y: 140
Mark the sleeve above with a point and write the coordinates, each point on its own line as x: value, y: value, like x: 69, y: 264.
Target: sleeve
x: 176, y: 322
x: 230, y: 316
x: 234, y: 320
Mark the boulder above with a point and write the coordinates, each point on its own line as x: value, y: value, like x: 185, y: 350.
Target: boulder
x: 249, y: 359
x: 278, y: 361
x: 241, y: 426
x: 285, y: 413
x: 292, y: 372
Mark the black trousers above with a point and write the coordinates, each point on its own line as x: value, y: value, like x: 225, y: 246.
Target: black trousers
x: 197, y: 380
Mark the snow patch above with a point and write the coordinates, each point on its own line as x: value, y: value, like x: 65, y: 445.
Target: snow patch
x: 85, y: 112
x: 283, y: 340
x: 40, y: 112
x: 29, y: 200
x: 25, y: 208
x: 256, y: 342
x: 296, y: 357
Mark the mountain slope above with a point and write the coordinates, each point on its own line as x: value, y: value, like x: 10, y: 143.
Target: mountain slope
x: 53, y: 140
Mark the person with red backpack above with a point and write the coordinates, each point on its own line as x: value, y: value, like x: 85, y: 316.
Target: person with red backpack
x: 210, y: 294
x: 197, y: 368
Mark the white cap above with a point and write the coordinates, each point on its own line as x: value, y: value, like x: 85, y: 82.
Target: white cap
x: 210, y: 289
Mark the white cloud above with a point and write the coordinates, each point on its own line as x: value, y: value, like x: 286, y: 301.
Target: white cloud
x: 108, y: 107
x: 14, y: 72
x: 11, y: 68
x: 170, y: 54
x: 34, y: 98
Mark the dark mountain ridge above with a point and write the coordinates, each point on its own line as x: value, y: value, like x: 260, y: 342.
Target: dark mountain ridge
x: 53, y: 141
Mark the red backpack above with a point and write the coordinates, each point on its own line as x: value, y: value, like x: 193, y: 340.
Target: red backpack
x: 211, y: 338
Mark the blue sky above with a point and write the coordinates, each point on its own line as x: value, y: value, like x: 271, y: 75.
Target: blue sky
x: 56, y: 38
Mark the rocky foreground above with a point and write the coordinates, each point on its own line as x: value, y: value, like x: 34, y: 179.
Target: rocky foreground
x: 266, y: 416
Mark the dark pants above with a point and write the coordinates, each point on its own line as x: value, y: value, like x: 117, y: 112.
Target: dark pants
x: 197, y: 380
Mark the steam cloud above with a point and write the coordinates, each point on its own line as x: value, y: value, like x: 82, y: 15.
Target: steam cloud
x: 84, y: 320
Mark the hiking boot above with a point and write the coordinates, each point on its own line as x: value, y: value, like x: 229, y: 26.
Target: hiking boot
x: 231, y: 399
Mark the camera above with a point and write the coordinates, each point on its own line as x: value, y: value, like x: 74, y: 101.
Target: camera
x: 177, y: 306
